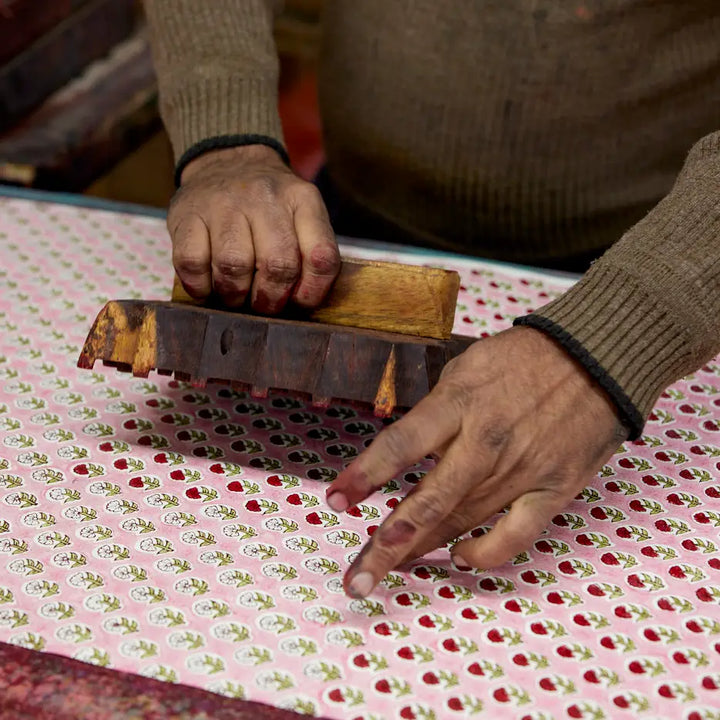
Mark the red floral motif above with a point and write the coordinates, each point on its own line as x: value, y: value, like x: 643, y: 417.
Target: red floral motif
x: 182, y: 531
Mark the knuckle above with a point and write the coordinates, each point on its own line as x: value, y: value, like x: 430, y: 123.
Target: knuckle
x: 190, y: 265
x: 233, y: 265
x: 281, y: 270
x: 324, y: 259
x: 426, y: 508
x: 395, y: 441
x: 305, y: 193
x: 453, y: 392
x: 449, y: 368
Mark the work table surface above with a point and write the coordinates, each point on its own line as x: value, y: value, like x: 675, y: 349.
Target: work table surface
x: 181, y: 533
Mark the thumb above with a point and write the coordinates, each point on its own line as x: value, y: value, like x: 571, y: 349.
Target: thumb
x: 512, y: 534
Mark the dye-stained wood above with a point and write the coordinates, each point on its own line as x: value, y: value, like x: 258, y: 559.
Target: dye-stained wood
x: 86, y: 127
x: 392, y: 297
x: 24, y: 21
x: 46, y: 686
x: 259, y: 354
x: 60, y: 54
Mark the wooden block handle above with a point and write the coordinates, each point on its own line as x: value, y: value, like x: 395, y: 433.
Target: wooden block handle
x: 407, y: 299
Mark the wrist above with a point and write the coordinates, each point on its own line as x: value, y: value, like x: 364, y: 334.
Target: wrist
x: 249, y: 146
x: 626, y: 412
x: 231, y: 155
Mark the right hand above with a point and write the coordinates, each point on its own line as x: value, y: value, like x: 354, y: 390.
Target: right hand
x: 243, y: 223
x: 516, y: 421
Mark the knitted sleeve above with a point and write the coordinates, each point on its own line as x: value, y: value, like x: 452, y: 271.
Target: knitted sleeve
x: 217, y: 70
x: 648, y: 311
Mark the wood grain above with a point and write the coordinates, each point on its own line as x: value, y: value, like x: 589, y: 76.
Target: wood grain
x: 327, y: 362
x: 392, y: 297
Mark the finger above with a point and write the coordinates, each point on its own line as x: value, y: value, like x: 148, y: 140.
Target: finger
x: 277, y: 260
x: 513, y: 533
x: 480, y: 504
x: 318, y: 249
x: 457, y: 523
x: 191, y: 254
x: 416, y: 519
x: 423, y: 430
x: 233, y: 258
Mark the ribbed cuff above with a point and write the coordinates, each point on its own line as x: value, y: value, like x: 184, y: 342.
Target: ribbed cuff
x: 624, y: 338
x: 226, y: 141
x: 648, y: 312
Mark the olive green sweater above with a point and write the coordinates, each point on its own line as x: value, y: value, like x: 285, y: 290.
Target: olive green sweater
x: 521, y: 130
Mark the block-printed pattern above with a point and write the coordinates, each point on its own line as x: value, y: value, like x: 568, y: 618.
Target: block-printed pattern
x: 182, y: 533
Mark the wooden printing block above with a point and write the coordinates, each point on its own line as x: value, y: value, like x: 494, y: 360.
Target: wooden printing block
x: 327, y: 362
x: 376, y: 295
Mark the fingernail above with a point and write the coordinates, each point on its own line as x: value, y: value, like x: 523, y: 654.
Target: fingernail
x: 361, y: 585
x: 338, y: 502
x: 460, y: 563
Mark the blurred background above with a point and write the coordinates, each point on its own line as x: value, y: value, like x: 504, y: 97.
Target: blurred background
x: 78, y: 98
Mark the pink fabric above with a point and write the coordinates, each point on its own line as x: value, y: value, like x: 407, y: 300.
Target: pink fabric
x: 182, y: 533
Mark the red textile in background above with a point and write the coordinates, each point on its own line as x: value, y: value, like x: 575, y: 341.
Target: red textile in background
x: 301, y: 118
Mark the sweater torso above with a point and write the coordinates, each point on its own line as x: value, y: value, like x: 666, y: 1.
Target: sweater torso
x: 519, y: 129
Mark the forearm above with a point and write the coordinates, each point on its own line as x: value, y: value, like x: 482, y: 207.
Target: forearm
x: 648, y: 312
x: 217, y: 70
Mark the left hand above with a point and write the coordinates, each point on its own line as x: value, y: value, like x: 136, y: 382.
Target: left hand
x: 515, y: 420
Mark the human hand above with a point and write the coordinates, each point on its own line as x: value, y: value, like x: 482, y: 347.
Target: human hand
x: 243, y: 223
x: 514, y: 420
